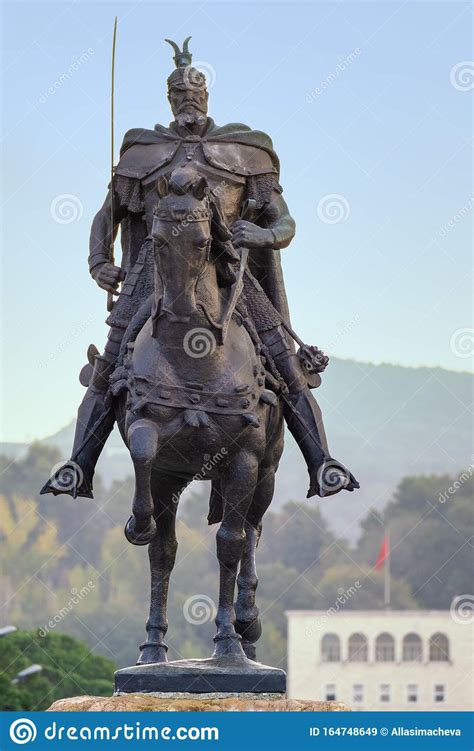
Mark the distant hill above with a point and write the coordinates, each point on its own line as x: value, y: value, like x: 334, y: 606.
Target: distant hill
x: 384, y: 421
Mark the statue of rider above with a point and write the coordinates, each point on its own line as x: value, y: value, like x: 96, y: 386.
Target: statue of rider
x: 239, y: 164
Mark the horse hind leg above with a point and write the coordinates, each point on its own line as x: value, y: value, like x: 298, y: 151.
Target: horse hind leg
x: 247, y: 622
x: 140, y: 529
x: 238, y: 487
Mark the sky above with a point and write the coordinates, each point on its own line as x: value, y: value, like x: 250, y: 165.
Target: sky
x: 369, y: 108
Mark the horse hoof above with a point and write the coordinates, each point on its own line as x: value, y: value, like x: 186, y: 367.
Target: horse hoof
x: 250, y: 650
x: 151, y: 653
x: 250, y: 631
x: 228, y: 645
x: 144, y: 537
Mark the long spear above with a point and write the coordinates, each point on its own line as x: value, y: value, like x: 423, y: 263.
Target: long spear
x: 110, y: 297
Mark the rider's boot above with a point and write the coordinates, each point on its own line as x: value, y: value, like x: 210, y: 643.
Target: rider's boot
x: 95, y: 421
x: 303, y: 417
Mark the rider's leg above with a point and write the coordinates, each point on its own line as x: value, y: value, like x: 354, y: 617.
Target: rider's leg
x: 305, y: 422
x: 95, y: 421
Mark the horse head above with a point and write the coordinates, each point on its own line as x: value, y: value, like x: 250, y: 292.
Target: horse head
x: 192, y: 245
x: 182, y: 238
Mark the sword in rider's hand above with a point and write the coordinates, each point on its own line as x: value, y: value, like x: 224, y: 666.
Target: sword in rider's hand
x: 110, y: 296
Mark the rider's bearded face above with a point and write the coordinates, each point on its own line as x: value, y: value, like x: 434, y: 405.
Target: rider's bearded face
x: 188, y: 104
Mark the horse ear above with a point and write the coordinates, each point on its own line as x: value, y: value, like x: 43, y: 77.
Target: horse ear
x: 162, y: 186
x: 199, y: 188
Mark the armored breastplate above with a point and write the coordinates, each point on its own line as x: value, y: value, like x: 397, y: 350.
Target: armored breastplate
x: 228, y: 188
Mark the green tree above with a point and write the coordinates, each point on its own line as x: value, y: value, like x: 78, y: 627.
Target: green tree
x: 431, y: 525
x: 69, y: 669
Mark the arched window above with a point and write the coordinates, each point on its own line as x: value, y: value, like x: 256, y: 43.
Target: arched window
x: 439, y: 648
x: 385, y: 648
x: 330, y: 648
x: 412, y: 648
x: 357, y: 648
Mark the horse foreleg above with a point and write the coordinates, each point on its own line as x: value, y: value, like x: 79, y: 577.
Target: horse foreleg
x: 143, y: 445
x: 162, y: 555
x: 238, y: 486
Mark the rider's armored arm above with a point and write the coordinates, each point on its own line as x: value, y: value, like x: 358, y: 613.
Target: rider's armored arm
x: 101, y: 232
x: 276, y: 218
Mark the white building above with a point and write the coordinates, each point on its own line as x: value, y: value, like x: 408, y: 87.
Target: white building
x: 393, y: 660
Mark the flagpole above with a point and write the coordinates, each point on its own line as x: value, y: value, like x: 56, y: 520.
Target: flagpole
x: 387, y: 603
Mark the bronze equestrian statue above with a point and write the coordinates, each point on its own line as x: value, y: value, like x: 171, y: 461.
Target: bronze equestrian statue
x: 200, y: 360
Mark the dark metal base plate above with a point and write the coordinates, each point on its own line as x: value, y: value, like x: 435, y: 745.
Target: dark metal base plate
x: 215, y: 674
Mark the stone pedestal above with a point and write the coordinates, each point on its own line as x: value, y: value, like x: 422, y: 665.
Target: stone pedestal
x: 221, y: 675
x: 192, y: 703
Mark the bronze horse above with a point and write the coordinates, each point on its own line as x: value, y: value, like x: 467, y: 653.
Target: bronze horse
x: 194, y: 389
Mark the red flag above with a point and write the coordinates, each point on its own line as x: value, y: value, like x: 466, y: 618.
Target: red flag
x: 384, y: 552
